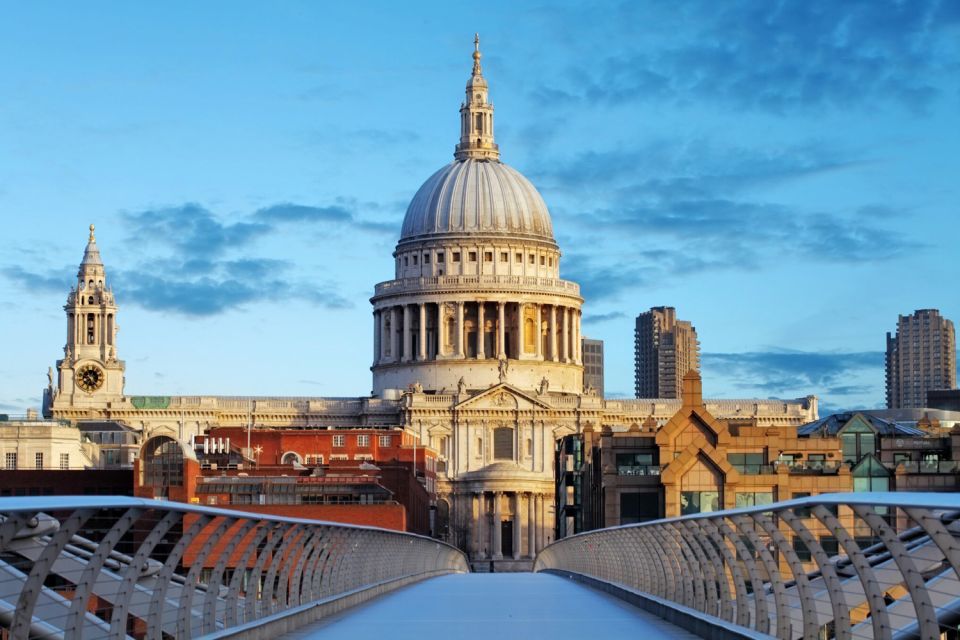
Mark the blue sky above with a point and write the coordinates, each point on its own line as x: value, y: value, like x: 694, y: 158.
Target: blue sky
x: 784, y: 173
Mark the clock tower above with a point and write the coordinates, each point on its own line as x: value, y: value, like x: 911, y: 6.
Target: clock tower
x: 89, y: 373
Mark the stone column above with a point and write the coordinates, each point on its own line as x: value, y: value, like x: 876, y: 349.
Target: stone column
x: 483, y: 538
x: 423, y: 332
x: 497, y: 528
x: 531, y: 527
x: 538, y: 348
x: 516, y: 525
x: 384, y: 335
x: 377, y: 330
x: 394, y: 336
x: 459, y: 341
x: 553, y: 333
x: 539, y: 518
x: 501, y: 351
x: 475, y: 514
x: 578, y: 346
x: 407, y: 333
x: 481, y: 354
x: 520, y: 342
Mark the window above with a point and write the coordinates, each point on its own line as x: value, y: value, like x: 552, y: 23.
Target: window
x: 856, y: 441
x: 339, y: 441
x: 472, y: 256
x: 440, y: 257
x: 456, y: 256
x: 747, y: 463
x: 639, y: 507
x: 414, y: 260
x: 801, y: 549
x: 363, y: 456
x: 801, y: 512
x: 829, y: 544
x: 504, y: 256
x: 338, y: 457
x: 543, y: 261
x: 426, y: 258
x: 699, y: 502
x: 519, y: 257
x: 488, y: 256
x: 900, y: 458
x: 38, y: 460
x: 406, y: 261
x: 636, y: 464
x: 503, y: 443
x: 11, y: 461
x: 549, y: 262
x: 533, y: 259
x: 753, y: 498
x: 64, y: 460
x: 385, y: 441
x: 816, y: 460
x: 363, y: 441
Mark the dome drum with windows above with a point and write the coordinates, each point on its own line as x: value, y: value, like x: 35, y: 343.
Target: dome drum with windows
x: 477, y: 295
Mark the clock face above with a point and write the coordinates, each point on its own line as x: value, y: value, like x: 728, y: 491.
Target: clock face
x: 90, y: 377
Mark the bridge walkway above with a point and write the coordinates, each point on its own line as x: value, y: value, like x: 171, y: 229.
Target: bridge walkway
x: 502, y: 606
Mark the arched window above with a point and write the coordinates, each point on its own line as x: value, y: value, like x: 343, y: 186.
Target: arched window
x: 480, y: 123
x: 291, y: 458
x: 503, y: 443
x: 162, y: 464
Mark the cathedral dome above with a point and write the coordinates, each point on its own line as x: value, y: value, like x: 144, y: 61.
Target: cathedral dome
x: 477, y: 196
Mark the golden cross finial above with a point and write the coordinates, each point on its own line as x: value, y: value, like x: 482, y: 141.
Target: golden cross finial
x: 92, y: 239
x: 476, y: 54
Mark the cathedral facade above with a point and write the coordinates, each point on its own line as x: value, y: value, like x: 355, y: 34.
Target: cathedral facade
x: 476, y: 351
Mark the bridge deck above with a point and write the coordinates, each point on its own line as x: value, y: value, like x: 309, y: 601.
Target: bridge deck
x: 500, y: 606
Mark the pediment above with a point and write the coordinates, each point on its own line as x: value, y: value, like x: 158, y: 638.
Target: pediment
x: 503, y: 397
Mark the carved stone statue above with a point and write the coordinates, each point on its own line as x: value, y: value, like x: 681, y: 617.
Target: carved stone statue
x: 50, y: 377
x: 589, y: 390
x: 416, y: 387
x: 461, y: 386
x: 544, y: 386
x: 502, y: 368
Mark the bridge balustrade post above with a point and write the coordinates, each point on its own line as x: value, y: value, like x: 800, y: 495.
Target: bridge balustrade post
x: 84, y: 586
x: 269, y: 581
x: 240, y: 571
x: 761, y: 614
x: 155, y: 615
x: 912, y: 578
x: 23, y: 616
x: 708, y: 598
x: 838, y: 600
x: 302, y: 573
x: 871, y: 586
x: 808, y: 606
x: 211, y: 600
x: 690, y: 567
x: 118, y: 621
x: 253, y: 603
x: 739, y: 582
x: 745, y: 524
x: 671, y: 562
x: 723, y: 599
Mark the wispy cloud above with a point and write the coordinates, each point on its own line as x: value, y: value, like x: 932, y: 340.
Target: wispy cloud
x: 783, y: 372
x: 776, y: 56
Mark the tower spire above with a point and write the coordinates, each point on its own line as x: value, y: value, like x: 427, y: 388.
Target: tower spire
x: 476, y: 116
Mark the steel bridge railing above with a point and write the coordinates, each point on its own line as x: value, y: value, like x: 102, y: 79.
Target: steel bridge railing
x: 852, y: 565
x: 112, y: 567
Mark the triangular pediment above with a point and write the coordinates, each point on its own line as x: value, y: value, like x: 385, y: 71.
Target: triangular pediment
x: 503, y: 397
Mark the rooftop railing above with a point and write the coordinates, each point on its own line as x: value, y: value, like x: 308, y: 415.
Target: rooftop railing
x: 111, y: 567
x: 854, y: 565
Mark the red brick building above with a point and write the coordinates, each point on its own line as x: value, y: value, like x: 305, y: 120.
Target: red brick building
x: 375, y: 477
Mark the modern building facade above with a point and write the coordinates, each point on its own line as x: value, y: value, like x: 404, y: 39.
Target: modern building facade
x: 697, y: 462
x: 921, y: 357
x: 592, y: 365
x: 477, y: 356
x: 665, y: 349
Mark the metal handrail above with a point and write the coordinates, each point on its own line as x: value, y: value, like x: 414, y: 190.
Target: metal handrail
x: 851, y: 565
x: 114, y: 567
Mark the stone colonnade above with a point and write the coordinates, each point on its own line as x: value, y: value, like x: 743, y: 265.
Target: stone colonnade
x: 523, y: 512
x: 449, y: 331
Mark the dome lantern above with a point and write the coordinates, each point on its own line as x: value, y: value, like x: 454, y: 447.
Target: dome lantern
x: 476, y: 116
